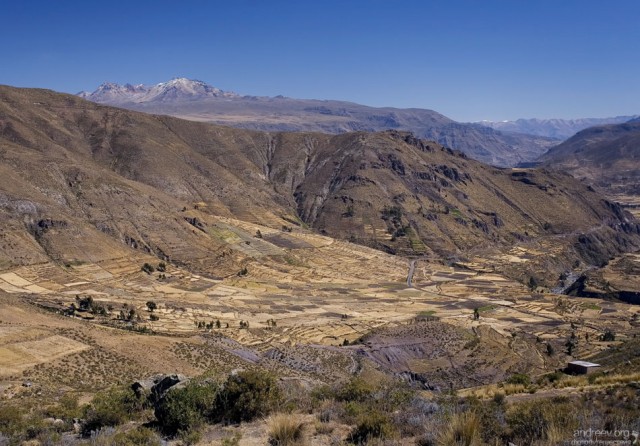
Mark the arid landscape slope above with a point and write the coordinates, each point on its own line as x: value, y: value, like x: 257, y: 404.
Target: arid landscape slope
x: 97, y: 173
x: 136, y: 244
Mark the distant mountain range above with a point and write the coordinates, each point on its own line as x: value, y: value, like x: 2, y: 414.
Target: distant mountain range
x: 606, y: 156
x: 553, y: 128
x: 198, y: 101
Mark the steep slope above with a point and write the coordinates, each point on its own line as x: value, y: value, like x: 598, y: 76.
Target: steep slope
x: 79, y: 179
x: 553, y: 128
x: 606, y: 156
x: 195, y: 100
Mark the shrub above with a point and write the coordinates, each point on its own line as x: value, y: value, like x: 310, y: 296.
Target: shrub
x: 285, y: 430
x: 608, y: 336
x: 186, y: 408
x: 67, y: 408
x: 357, y: 389
x: 550, y: 349
x: 245, y: 396
x: 371, y: 425
x: 11, y: 420
x: 151, y: 305
x: 519, y: 378
x: 141, y: 436
x: 111, y: 408
x: 498, y: 398
x: 162, y: 267
x: 233, y: 440
x: 190, y: 437
x: 148, y: 268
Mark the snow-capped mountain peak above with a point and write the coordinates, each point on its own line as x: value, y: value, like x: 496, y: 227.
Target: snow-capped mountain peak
x: 177, y: 89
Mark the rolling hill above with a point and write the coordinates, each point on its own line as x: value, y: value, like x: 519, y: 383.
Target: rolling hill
x: 606, y: 156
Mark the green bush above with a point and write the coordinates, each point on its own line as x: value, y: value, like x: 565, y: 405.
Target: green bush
x: 247, y: 395
x: 357, y: 389
x: 111, y: 408
x: 11, y: 419
x: 186, y: 408
x: 519, y: 378
x: 371, y: 425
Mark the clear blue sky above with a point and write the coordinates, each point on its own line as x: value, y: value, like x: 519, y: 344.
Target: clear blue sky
x: 469, y: 60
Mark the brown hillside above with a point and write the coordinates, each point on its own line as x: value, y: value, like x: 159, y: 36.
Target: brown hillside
x: 106, y: 178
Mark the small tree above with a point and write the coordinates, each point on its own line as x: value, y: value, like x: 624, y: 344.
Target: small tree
x: 608, y: 336
x: 258, y: 234
x: 148, y: 268
x: 162, y: 267
x: 550, y: 350
x: 151, y: 305
x: 476, y: 314
x: 246, y: 396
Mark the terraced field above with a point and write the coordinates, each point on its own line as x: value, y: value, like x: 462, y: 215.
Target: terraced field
x: 299, y: 300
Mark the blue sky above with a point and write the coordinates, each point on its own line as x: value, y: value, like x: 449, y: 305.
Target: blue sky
x: 469, y: 60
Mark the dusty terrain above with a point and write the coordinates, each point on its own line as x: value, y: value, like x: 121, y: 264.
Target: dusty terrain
x: 134, y: 245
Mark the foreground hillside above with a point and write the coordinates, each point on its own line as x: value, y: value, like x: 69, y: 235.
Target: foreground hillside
x: 135, y: 245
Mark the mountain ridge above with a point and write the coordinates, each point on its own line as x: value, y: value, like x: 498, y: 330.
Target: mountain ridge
x: 329, y: 116
x: 121, y: 179
x: 606, y: 156
x: 557, y: 128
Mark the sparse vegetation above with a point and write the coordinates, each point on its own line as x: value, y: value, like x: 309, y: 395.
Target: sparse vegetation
x: 285, y: 430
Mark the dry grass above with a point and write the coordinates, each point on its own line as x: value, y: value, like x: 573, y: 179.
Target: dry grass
x: 511, y: 389
x: 286, y: 430
x: 463, y: 429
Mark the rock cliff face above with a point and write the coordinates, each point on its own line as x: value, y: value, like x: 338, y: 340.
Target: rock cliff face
x: 79, y: 180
